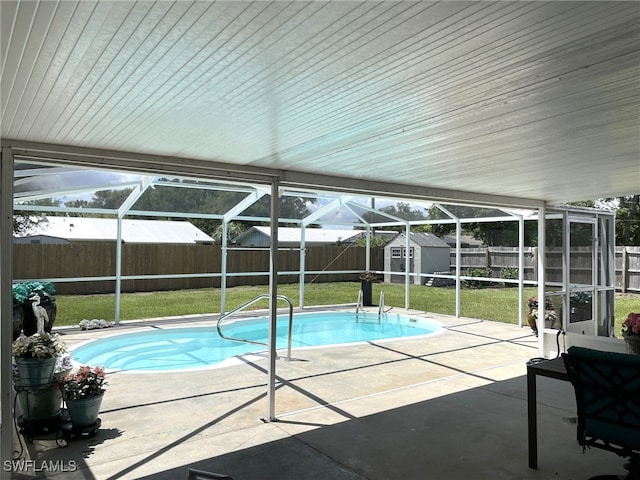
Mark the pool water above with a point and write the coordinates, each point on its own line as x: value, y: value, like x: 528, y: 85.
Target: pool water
x: 197, y: 347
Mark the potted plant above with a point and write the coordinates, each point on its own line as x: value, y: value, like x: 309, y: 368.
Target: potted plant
x: 35, y: 357
x: 366, y: 279
x: 532, y: 316
x: 631, y: 333
x: 83, y: 391
x: 550, y: 317
x: 46, y: 403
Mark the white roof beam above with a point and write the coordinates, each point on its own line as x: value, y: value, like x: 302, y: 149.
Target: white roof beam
x: 244, y: 204
x: 133, y: 197
x: 320, y: 212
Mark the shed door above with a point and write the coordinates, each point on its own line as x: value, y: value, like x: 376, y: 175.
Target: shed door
x: 398, y: 264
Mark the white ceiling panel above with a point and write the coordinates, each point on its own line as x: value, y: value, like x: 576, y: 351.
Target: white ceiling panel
x: 527, y: 100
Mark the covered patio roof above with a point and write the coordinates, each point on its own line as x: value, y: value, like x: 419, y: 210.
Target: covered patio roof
x: 510, y: 104
x: 518, y: 103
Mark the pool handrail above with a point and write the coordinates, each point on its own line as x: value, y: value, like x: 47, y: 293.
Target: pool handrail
x: 359, y: 302
x: 360, y: 305
x: 381, y: 304
x: 255, y: 342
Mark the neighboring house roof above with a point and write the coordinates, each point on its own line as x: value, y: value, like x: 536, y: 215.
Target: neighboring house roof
x: 133, y: 231
x: 312, y: 235
x: 424, y: 239
x: 465, y: 241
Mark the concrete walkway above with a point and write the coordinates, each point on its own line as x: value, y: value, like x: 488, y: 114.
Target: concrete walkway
x: 450, y: 406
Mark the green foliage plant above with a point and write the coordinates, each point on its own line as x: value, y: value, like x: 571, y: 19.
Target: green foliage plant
x: 22, y: 291
x: 477, y: 272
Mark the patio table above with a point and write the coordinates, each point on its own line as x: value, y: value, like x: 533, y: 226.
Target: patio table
x: 553, y: 368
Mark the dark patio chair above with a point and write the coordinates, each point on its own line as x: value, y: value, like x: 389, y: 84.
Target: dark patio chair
x: 607, y: 388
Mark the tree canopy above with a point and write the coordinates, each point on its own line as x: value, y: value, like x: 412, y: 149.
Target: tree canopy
x: 179, y: 199
x: 192, y: 200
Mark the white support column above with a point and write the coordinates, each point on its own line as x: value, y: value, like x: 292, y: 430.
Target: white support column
x: 541, y: 279
x: 223, y: 268
x: 228, y: 217
x: 118, y: 267
x: 520, y: 270
x: 303, y: 256
x: 133, y: 197
x: 6, y: 309
x: 367, y: 260
x: 407, y: 266
x: 458, y: 269
x: 273, y: 302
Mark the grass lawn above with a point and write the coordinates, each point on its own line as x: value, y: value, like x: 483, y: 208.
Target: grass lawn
x: 500, y: 304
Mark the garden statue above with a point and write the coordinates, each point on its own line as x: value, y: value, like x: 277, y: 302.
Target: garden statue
x: 39, y: 312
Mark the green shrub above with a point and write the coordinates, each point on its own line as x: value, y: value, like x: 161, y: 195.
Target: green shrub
x: 509, y: 273
x: 477, y: 272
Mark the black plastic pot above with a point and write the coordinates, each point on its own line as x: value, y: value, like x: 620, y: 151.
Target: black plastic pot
x: 366, y: 293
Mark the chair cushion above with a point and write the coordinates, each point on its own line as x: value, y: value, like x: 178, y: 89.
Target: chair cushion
x: 608, y: 389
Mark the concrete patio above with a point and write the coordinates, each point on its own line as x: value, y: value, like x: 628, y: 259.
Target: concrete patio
x: 449, y: 406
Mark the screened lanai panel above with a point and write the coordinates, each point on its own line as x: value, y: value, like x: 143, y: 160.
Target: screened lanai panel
x: 371, y: 214
x: 470, y: 212
x: 193, y: 199
x: 292, y: 209
x: 335, y: 212
x: 393, y: 209
x: 35, y: 181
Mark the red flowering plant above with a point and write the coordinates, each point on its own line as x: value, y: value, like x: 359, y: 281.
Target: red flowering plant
x: 631, y: 326
x: 86, y: 382
x: 533, y: 303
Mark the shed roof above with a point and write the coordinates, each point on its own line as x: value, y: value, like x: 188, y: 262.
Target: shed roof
x: 133, y: 231
x: 425, y: 239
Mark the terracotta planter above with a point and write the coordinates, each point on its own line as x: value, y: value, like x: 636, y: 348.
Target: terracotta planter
x: 531, y: 321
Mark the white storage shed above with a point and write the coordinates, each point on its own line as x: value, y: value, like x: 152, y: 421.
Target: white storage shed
x: 427, y: 254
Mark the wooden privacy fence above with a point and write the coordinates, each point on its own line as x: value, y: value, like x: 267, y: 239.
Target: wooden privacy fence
x: 628, y: 269
x: 199, y: 266
x: 627, y: 264
x: 194, y: 266
x: 496, y: 259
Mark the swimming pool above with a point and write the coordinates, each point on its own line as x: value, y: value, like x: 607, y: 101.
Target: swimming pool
x: 183, y: 348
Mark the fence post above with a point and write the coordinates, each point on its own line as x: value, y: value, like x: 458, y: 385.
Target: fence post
x: 624, y: 273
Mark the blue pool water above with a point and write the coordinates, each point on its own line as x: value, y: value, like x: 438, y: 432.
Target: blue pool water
x: 196, y: 347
